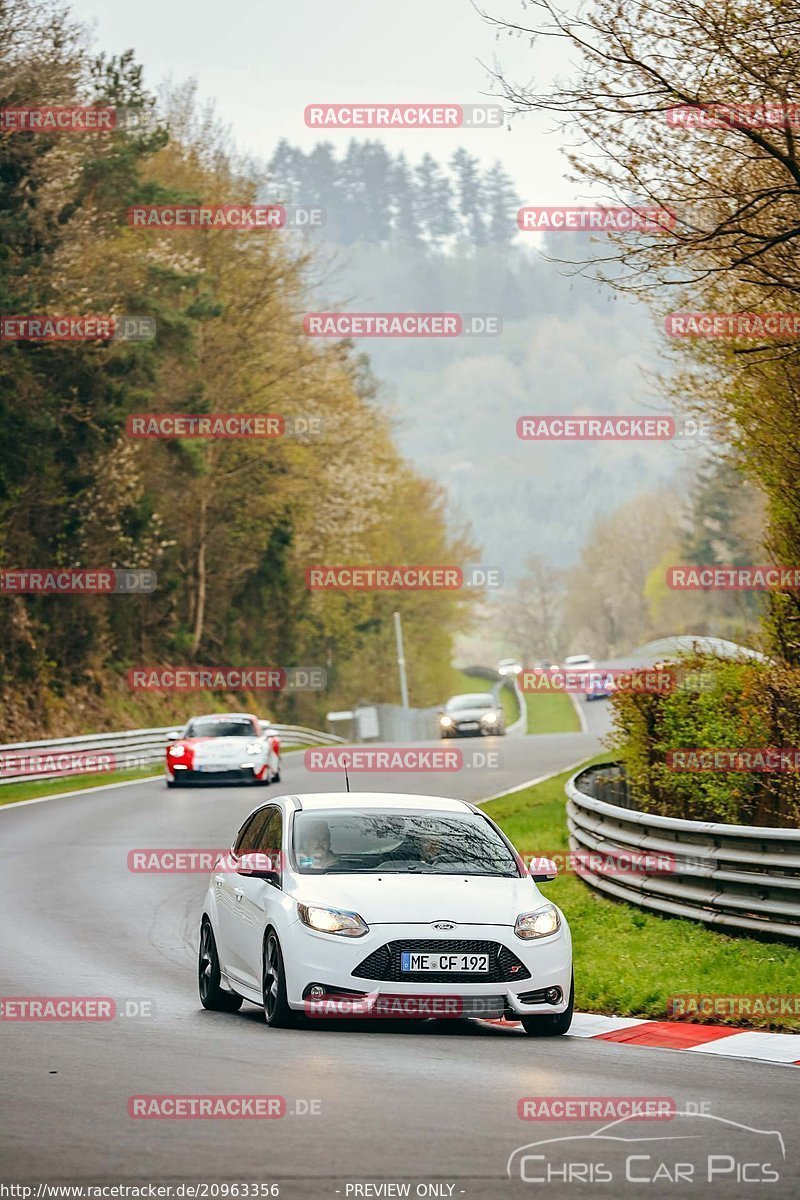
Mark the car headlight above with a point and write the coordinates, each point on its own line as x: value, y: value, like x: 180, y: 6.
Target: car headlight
x: 177, y: 749
x: 252, y: 748
x: 490, y: 718
x: 446, y: 721
x: 332, y: 920
x: 538, y: 924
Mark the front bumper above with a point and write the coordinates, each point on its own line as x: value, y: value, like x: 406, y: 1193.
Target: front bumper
x: 336, y: 963
x: 224, y: 775
x: 455, y: 731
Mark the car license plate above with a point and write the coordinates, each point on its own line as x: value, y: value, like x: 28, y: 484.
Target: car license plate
x: 469, y: 725
x: 460, y: 963
x: 210, y: 767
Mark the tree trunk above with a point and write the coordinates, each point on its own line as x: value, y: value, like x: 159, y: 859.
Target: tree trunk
x: 200, y: 576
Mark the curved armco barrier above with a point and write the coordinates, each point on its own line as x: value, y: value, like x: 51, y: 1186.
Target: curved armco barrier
x: 24, y: 761
x: 739, y: 877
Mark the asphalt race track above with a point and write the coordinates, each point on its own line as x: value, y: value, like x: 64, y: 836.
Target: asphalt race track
x: 407, y: 1103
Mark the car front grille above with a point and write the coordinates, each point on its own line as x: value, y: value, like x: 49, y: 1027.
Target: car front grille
x: 384, y: 963
x: 231, y: 775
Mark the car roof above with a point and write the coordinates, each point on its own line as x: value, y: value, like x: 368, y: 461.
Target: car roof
x: 472, y: 696
x: 402, y: 801
x: 223, y: 716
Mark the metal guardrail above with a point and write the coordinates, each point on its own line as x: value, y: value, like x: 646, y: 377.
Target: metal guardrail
x: 740, y: 877
x: 520, y: 726
x: 103, y: 752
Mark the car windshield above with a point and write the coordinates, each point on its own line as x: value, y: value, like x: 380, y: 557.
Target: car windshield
x: 478, y: 700
x: 230, y: 727
x: 429, y: 843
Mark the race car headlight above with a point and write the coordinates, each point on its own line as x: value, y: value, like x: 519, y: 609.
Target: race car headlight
x: 177, y: 750
x: 538, y: 924
x: 446, y: 721
x: 490, y: 718
x: 332, y: 920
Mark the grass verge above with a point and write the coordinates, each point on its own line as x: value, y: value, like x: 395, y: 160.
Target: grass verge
x: 34, y: 788
x: 628, y: 962
x: 551, y: 712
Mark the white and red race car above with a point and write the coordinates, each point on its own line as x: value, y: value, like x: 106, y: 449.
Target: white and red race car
x: 223, y: 748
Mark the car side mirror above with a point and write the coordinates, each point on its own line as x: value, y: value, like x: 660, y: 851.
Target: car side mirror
x: 259, y: 866
x: 173, y: 735
x: 542, y: 870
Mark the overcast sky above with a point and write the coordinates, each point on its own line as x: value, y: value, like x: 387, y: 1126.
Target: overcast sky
x: 262, y: 62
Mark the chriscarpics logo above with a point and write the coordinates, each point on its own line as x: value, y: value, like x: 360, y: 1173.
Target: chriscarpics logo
x: 692, y: 1148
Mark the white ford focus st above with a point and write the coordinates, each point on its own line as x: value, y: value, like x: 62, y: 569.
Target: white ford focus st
x: 370, y: 904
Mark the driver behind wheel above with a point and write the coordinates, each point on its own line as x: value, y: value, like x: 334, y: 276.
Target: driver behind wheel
x: 315, y: 847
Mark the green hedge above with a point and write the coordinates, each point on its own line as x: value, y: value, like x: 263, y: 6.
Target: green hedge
x: 720, y: 703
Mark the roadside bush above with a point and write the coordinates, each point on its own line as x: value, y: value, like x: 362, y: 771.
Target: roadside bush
x: 719, y: 704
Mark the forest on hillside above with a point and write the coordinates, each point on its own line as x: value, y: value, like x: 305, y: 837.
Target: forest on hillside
x: 370, y: 195
x: 227, y: 526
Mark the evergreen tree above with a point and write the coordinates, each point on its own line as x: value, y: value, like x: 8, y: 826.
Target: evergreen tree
x: 286, y: 171
x: 471, y: 201
x: 502, y: 203
x: 375, y: 176
x: 434, y: 201
x: 404, y: 203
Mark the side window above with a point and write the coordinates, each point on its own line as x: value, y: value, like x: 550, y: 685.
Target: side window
x: 249, y: 834
x: 270, y: 837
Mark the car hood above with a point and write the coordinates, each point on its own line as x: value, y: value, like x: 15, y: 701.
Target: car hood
x: 219, y: 749
x: 420, y: 899
x: 470, y: 714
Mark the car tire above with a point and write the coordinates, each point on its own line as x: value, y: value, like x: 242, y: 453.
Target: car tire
x: 171, y: 783
x: 276, y: 778
x: 277, y: 1012
x: 554, y: 1024
x: 212, y: 995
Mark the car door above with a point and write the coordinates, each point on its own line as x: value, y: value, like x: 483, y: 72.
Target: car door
x: 227, y: 891
x: 256, y: 902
